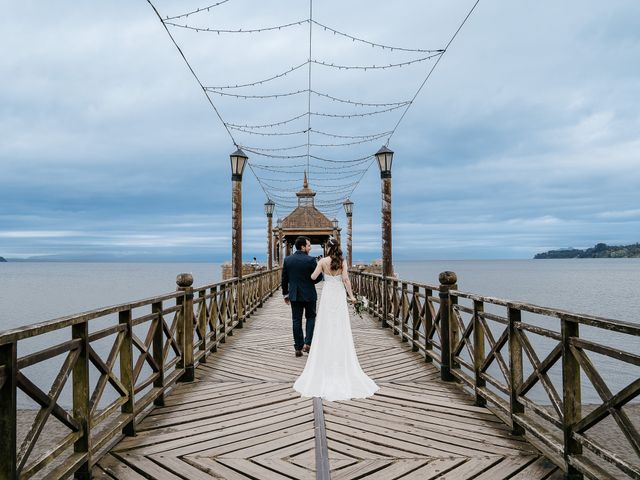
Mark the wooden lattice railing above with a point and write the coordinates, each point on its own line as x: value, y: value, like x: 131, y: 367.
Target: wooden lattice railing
x: 486, y: 344
x: 138, y: 350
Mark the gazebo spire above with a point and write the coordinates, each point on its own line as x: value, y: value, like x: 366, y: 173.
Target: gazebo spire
x: 305, y: 184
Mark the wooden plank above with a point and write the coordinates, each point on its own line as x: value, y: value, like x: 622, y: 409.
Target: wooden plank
x: 322, y: 456
x: 232, y: 423
x: 434, y: 469
x: 117, y: 469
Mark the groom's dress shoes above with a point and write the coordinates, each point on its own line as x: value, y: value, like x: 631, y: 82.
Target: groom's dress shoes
x: 306, y: 348
x: 298, y: 353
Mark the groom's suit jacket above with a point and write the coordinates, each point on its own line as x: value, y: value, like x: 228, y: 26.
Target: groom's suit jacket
x: 296, y: 277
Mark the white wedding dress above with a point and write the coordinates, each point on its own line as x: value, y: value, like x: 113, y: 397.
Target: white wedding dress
x: 332, y: 371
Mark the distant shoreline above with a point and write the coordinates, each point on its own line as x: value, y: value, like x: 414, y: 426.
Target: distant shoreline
x: 600, y: 250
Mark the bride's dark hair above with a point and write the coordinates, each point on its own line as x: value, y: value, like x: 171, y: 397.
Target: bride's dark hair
x: 335, y: 253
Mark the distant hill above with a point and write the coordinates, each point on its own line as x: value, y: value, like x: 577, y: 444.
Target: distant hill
x: 601, y: 250
x: 2, y: 259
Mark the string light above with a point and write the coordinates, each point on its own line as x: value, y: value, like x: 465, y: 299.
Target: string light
x: 279, y: 149
x: 335, y: 135
x: 199, y: 10
x: 384, y: 47
x: 351, y: 115
x: 273, y: 95
x: 375, y: 67
x: 240, y: 30
x: 332, y: 176
x: 267, y: 134
x: 361, y: 104
x: 260, y: 82
x: 267, y: 125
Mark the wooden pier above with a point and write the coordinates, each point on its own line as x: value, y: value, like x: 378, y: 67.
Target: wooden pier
x: 203, y: 389
x: 241, y: 419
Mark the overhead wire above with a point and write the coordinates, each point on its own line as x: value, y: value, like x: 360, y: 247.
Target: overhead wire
x: 337, y: 166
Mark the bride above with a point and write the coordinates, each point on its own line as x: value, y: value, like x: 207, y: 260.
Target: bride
x: 332, y: 371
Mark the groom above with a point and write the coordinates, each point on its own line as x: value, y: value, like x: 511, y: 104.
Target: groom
x: 300, y: 292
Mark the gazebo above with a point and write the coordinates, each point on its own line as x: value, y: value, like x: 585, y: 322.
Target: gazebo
x: 305, y: 220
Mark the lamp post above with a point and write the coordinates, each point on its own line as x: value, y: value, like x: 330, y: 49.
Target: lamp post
x: 268, y: 210
x: 385, y: 158
x: 238, y: 162
x: 348, y: 209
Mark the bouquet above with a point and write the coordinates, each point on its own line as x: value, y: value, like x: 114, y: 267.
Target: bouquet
x: 360, y: 305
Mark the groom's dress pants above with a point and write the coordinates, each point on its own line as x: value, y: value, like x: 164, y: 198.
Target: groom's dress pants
x: 309, y: 310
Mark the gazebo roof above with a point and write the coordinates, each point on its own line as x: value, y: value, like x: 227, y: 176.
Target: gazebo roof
x: 306, y: 217
x: 306, y: 191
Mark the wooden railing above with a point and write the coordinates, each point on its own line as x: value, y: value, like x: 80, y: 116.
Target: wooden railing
x: 144, y: 349
x: 494, y: 349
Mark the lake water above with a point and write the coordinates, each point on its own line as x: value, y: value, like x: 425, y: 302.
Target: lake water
x: 34, y: 292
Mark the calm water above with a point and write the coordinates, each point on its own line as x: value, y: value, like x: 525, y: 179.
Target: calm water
x: 34, y: 292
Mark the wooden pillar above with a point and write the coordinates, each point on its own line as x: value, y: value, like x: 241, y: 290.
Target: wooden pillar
x: 126, y: 373
x: 447, y: 282
x: 404, y: 311
x: 478, y: 352
x: 415, y: 318
x: 236, y: 229
x: 269, y: 241
x: 81, y: 412
x: 158, y: 352
x: 387, y: 260
x: 515, y: 370
x: 571, y: 397
x: 384, y: 303
x: 185, y: 282
x: 350, y: 240
x: 287, y: 248
x: 8, y: 410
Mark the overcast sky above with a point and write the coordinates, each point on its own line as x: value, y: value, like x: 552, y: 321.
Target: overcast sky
x: 525, y: 138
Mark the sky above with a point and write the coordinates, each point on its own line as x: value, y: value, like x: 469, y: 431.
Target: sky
x: 525, y: 138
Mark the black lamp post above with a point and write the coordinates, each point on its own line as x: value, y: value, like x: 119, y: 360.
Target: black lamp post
x: 269, y: 206
x: 238, y: 162
x: 348, y: 209
x: 385, y: 158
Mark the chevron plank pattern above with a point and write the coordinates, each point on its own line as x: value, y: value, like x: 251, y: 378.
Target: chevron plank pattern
x: 241, y: 419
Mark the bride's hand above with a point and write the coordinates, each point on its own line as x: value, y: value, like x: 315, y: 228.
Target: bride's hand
x: 352, y: 300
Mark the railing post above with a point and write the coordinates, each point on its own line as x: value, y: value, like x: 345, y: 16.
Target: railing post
x: 447, y: 282
x: 260, y: 290
x: 240, y: 303
x: 428, y: 325
x: 384, y: 302
x: 516, y: 373
x: 202, y: 324
x: 478, y: 352
x: 415, y: 318
x: 224, y: 309
x: 158, y: 352
x: 126, y: 373
x: 185, y: 282
x: 395, y: 310
x: 8, y: 410
x: 80, y: 332
x: 405, y: 313
x: 571, y: 396
x: 213, y: 318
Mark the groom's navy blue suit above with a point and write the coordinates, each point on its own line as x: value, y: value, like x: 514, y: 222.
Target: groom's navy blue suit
x: 301, y: 290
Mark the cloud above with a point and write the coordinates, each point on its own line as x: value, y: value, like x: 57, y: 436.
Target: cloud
x: 524, y: 138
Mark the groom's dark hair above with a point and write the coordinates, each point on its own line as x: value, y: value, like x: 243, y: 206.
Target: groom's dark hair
x: 301, y: 242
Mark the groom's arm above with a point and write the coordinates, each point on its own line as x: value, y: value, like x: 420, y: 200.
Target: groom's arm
x: 316, y: 276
